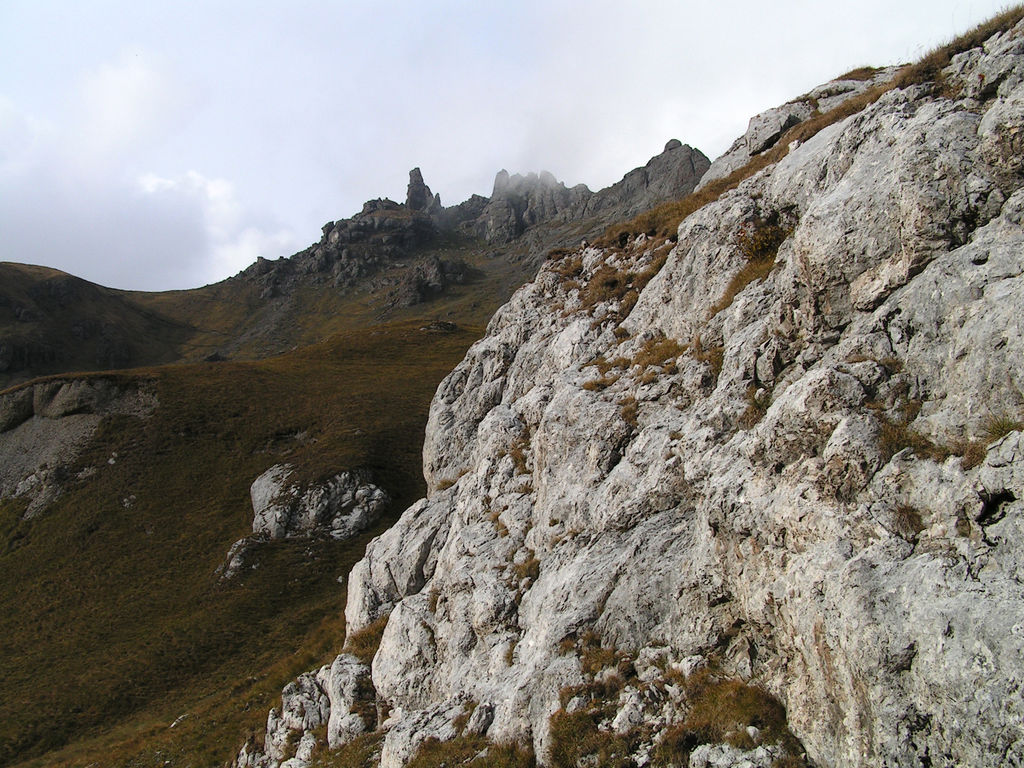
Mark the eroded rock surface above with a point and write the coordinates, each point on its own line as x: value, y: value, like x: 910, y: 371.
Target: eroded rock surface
x: 44, y: 428
x: 650, y: 471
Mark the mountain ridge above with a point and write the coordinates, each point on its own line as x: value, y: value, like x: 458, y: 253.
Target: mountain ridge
x: 376, y: 264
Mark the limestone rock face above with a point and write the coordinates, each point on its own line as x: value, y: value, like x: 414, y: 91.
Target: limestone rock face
x: 765, y: 129
x: 797, y: 477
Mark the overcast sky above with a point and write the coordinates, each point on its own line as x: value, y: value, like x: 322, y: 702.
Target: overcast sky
x: 157, y: 145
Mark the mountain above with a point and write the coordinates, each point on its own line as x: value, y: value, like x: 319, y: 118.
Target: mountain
x: 733, y: 482
x: 737, y: 484
x: 377, y: 265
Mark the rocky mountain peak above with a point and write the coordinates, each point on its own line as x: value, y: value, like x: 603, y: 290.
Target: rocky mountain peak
x: 419, y: 197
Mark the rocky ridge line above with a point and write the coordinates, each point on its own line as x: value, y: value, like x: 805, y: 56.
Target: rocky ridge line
x: 386, y: 233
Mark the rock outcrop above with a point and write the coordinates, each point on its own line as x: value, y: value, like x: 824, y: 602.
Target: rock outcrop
x: 283, y: 507
x: 669, y: 176
x: 781, y: 456
x: 338, y: 507
x: 44, y: 428
x: 388, y: 235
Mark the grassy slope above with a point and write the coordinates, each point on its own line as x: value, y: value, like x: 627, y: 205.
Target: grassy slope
x: 118, y: 625
x: 69, y: 324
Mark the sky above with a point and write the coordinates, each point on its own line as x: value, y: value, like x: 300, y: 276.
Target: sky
x: 164, y: 145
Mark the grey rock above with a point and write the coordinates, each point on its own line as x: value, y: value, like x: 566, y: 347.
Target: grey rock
x: 333, y: 696
x: 339, y: 507
x: 406, y: 733
x: 873, y: 589
x: 728, y: 756
x: 672, y: 175
x: 348, y: 685
x: 16, y: 408
x: 766, y: 128
x: 419, y: 197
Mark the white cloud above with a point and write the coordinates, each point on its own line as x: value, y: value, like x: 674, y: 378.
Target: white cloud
x: 21, y: 138
x: 235, y: 238
x: 125, y: 105
x: 98, y: 220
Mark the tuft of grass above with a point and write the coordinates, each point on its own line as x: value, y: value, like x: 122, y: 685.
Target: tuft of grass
x: 362, y: 751
x: 860, y: 73
x: 577, y: 739
x: 604, y: 365
x: 714, y: 356
x: 757, y: 407
x: 596, y: 385
x: 518, y: 454
x: 897, y: 435
x: 909, y: 522
x: 609, y: 284
x: 629, y: 409
x: 660, y: 351
x: 471, y: 752
x: 998, y: 426
x: 758, y: 242
x: 528, y: 569
x: 721, y: 710
x: 972, y: 452
x: 364, y: 643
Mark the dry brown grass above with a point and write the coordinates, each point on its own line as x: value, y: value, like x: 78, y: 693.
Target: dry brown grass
x: 999, y: 425
x: 596, y: 385
x: 629, y: 409
x: 659, y: 351
x: 364, y: 643
x: 713, y: 356
x: 528, y: 569
x: 756, y: 408
x: 860, y: 73
x: 471, y: 752
x: 721, y: 711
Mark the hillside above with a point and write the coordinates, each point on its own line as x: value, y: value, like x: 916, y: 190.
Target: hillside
x: 117, y: 615
x: 737, y: 484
